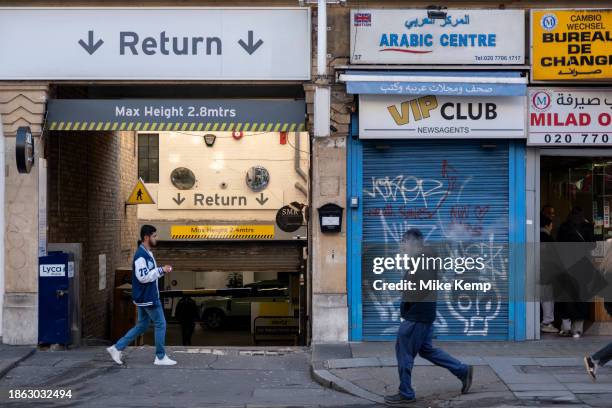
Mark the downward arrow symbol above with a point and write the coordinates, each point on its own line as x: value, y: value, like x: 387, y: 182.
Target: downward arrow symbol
x: 178, y: 200
x: 250, y: 47
x: 261, y: 199
x: 90, y: 46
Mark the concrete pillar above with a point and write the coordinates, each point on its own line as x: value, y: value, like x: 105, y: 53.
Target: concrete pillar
x: 21, y: 104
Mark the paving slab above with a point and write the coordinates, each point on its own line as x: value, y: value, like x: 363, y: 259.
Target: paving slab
x: 10, y: 356
x: 353, y: 362
x: 589, y: 388
x: 536, y: 387
x: 323, y: 352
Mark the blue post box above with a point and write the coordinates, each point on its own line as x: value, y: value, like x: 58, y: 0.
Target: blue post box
x: 55, y: 297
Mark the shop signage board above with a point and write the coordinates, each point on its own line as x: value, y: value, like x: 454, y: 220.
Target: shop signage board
x: 155, y: 43
x: 570, y: 116
x: 571, y: 45
x: 219, y: 200
x: 441, y: 117
x: 176, y: 114
x: 408, y: 36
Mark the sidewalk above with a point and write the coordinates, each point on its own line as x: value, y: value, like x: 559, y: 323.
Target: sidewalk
x: 204, y: 377
x: 10, y: 356
x: 547, y: 372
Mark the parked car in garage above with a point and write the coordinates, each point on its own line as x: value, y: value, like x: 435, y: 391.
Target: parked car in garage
x: 218, y: 310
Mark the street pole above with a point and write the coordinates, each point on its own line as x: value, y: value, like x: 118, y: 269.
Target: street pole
x: 2, y: 227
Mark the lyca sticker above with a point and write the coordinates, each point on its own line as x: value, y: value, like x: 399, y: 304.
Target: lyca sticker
x: 52, y: 270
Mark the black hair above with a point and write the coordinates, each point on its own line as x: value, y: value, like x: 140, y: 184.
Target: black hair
x: 146, y: 231
x: 576, y: 211
x: 545, y: 221
x: 412, y: 233
x: 544, y: 207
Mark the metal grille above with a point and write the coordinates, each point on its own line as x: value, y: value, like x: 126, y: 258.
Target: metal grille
x: 456, y: 193
x: 230, y: 257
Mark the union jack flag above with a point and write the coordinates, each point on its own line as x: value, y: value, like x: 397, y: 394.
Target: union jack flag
x: 362, y: 19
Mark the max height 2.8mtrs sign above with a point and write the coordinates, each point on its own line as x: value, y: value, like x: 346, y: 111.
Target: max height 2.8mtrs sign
x: 409, y: 36
x: 571, y: 45
x: 440, y: 117
x: 576, y: 116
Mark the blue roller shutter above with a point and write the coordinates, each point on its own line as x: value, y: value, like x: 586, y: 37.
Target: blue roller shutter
x: 456, y: 193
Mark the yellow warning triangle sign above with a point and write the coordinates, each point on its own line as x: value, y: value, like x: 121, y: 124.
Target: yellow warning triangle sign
x: 140, y: 194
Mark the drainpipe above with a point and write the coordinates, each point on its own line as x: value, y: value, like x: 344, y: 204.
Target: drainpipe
x: 2, y: 227
x: 322, y: 38
x: 322, y: 94
x: 296, y: 165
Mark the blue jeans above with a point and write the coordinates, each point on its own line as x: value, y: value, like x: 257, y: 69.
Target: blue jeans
x: 416, y: 337
x: 604, y: 355
x: 153, y: 313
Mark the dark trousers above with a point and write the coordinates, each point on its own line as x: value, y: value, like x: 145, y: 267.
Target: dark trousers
x: 416, y: 337
x: 186, y: 333
x: 604, y: 355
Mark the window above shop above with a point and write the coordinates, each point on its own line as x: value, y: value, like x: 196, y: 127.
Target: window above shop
x: 148, y: 157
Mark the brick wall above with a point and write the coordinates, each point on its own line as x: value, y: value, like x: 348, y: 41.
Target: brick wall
x: 89, y: 176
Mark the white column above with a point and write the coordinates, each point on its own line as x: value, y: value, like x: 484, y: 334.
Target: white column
x: 2, y: 227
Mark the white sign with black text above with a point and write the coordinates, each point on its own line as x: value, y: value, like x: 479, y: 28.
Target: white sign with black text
x: 441, y: 117
x: 409, y: 36
x: 559, y: 117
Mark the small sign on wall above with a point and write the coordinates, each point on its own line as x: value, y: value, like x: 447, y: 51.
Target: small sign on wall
x: 102, y: 271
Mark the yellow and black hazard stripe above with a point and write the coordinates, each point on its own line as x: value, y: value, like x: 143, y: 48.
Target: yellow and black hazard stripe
x: 222, y: 236
x: 178, y: 126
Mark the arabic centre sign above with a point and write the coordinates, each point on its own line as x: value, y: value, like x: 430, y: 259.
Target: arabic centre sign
x: 408, y: 36
x: 441, y: 117
x: 560, y: 117
x: 571, y: 45
x: 155, y: 43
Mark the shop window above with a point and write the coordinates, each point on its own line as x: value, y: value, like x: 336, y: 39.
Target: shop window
x: 148, y: 157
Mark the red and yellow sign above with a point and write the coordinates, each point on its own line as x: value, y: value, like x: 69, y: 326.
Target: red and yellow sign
x: 571, y: 45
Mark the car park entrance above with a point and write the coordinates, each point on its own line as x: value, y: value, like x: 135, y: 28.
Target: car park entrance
x: 216, y: 186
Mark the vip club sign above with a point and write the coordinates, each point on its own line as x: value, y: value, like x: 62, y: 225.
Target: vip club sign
x: 440, y: 117
x: 409, y: 36
x: 571, y: 45
x: 570, y: 117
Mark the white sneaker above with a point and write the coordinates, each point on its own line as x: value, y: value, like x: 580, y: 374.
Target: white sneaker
x: 115, y: 354
x: 164, y: 361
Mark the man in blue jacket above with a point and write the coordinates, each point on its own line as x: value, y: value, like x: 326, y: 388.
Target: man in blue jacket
x: 145, y: 295
x: 418, y: 312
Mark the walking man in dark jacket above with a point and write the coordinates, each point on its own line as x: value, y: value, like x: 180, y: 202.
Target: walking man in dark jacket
x: 416, y: 332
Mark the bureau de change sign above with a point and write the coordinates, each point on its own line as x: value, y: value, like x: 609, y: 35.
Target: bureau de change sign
x: 154, y: 43
x: 572, y: 45
x: 410, y: 36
